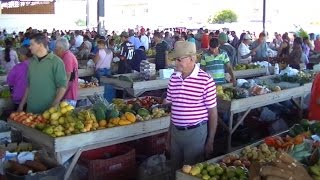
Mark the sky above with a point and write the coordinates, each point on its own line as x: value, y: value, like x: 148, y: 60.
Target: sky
x: 281, y: 13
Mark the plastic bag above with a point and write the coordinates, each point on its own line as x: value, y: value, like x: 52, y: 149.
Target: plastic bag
x: 90, y: 64
x: 289, y: 71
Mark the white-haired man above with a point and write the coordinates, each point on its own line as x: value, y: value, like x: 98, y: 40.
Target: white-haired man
x: 71, y: 66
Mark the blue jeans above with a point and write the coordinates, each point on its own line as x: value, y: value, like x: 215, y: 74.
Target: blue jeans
x: 102, y: 72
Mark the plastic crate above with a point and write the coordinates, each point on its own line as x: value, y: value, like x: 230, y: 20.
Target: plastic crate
x: 113, y: 162
x: 152, y: 145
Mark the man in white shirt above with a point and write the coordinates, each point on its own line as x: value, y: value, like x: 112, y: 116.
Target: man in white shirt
x: 244, y: 53
x: 144, y: 39
x: 78, y: 39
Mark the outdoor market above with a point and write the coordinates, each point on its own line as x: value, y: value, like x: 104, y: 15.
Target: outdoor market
x: 160, y: 103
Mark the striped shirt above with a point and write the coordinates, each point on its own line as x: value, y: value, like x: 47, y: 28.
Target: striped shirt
x: 191, y: 97
x: 215, y: 65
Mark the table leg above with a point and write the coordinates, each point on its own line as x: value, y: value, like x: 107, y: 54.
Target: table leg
x: 73, y: 163
x: 240, y: 121
x: 230, y: 131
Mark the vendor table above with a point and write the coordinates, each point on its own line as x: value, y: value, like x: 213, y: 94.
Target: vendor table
x: 250, y: 73
x: 84, y: 92
x: 135, y: 89
x: 86, y: 72
x: 72, y: 146
x: 183, y: 176
x: 3, y: 79
x: 247, y: 104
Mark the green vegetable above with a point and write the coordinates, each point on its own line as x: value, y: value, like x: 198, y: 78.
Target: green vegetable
x: 315, y: 127
x: 136, y: 106
x: 298, y: 129
x: 112, y: 114
x: 143, y: 112
x: 100, y: 114
x: 305, y: 124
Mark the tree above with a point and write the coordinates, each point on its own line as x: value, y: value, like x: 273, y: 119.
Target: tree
x: 224, y: 16
x: 80, y: 22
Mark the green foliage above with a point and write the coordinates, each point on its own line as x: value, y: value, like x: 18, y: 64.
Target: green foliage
x: 302, y: 33
x: 80, y: 22
x: 224, y: 16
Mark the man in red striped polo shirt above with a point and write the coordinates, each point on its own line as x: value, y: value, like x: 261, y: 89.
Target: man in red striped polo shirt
x: 192, y: 93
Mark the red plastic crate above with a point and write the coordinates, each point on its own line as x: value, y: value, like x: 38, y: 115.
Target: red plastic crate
x: 113, y: 162
x: 152, y: 145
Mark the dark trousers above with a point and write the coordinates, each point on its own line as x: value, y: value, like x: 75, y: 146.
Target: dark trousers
x: 124, y: 67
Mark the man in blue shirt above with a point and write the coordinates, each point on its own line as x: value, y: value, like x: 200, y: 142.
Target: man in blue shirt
x: 134, y: 40
x: 261, y: 47
x: 138, y: 56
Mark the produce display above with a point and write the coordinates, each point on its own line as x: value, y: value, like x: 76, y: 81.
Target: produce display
x: 244, y: 91
x: 298, y: 145
x: 301, y: 77
x: 65, y: 120
x: 240, y: 67
x: 5, y: 93
x: 93, y: 83
x: 215, y: 171
x: 151, y: 52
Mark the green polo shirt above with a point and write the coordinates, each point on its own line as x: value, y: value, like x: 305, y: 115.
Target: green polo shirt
x: 44, y: 78
x: 215, y: 65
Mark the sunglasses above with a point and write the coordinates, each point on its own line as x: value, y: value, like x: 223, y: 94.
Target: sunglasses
x: 181, y: 58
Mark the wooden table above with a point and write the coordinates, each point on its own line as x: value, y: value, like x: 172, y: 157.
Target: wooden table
x: 72, y: 146
x: 183, y: 176
x: 84, y: 92
x: 135, y: 89
x: 250, y: 73
x: 247, y: 104
x: 86, y: 72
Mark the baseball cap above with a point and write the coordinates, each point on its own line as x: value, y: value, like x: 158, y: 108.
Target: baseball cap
x: 124, y: 34
x: 247, y: 37
x: 223, y: 37
x: 184, y: 48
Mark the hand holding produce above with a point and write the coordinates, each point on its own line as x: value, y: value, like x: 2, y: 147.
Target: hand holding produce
x: 284, y: 167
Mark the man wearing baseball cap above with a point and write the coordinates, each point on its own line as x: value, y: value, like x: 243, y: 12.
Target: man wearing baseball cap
x: 244, y: 52
x: 126, y: 54
x: 192, y: 93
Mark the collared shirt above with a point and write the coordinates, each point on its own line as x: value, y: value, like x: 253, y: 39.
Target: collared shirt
x: 17, y: 79
x: 44, y: 79
x: 71, y: 65
x: 191, y: 97
x: 135, y: 41
x: 215, y: 65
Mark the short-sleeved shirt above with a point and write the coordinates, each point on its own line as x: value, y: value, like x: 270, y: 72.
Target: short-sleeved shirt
x: 127, y: 50
x: 243, y: 50
x: 160, y: 59
x: 44, y: 79
x: 314, y: 107
x: 205, y: 41
x: 215, y: 65
x: 261, y: 51
x: 135, y: 41
x: 71, y: 65
x: 191, y: 97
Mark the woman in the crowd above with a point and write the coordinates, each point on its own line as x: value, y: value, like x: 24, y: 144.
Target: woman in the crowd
x: 17, y: 77
x: 284, y: 49
x: 306, y: 46
x: 297, y: 57
x: 10, y: 56
x: 103, y: 60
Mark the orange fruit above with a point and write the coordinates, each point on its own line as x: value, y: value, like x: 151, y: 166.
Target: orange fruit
x: 102, y: 123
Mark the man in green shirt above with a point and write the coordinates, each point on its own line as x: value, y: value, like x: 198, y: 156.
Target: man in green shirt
x: 47, y: 78
x: 215, y: 61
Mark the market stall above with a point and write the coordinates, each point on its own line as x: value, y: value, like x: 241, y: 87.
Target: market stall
x: 132, y: 87
x: 242, y: 106
x: 299, y: 142
x: 67, y: 135
x: 3, y: 79
x: 86, y: 72
x: 89, y: 91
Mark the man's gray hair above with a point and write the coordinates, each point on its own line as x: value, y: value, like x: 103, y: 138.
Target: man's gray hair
x: 63, y: 43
